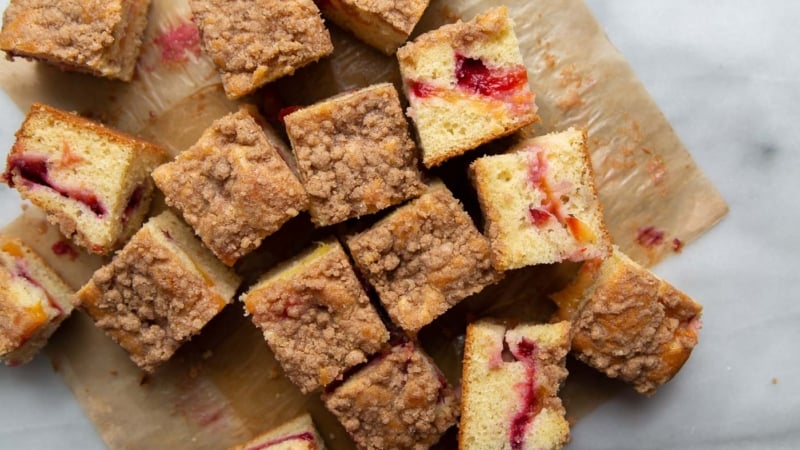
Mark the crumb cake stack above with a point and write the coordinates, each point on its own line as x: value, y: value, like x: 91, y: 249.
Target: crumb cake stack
x: 400, y: 400
x: 423, y: 258
x: 511, y: 377
x: 383, y: 24
x: 540, y: 203
x: 316, y: 316
x: 258, y: 41
x: 102, y: 38
x: 232, y: 186
x: 296, y: 434
x: 158, y: 291
x: 354, y: 154
x: 34, y: 300
x: 93, y: 182
x: 628, y: 323
x: 466, y: 84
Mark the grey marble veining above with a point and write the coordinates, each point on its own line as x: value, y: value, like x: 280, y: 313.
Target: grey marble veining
x: 727, y: 76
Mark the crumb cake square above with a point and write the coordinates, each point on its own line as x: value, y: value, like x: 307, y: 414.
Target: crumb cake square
x: 383, y: 24
x: 628, y: 323
x: 232, y: 186
x: 158, y: 291
x: 354, y: 154
x: 400, y: 400
x: 296, y: 434
x: 315, y: 301
x: 253, y: 42
x: 466, y: 84
x: 511, y: 377
x: 93, y: 182
x: 540, y: 203
x: 423, y: 258
x: 34, y: 300
x: 102, y: 38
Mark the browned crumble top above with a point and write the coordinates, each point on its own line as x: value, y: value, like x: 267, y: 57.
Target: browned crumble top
x: 400, y: 401
x: 354, y: 154
x: 232, y: 187
x: 148, y: 301
x: 636, y: 328
x: 255, y: 42
x: 78, y: 31
x: 401, y: 14
x: 319, y: 322
x: 424, y: 258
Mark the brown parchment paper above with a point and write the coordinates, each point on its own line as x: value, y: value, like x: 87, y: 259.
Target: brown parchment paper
x: 224, y: 386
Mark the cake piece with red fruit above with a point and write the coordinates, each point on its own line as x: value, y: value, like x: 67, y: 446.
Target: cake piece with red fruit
x: 424, y: 258
x: 255, y: 42
x: 232, y: 186
x: 399, y: 400
x: 316, y: 316
x: 628, y: 323
x: 355, y: 154
x: 511, y: 377
x: 102, y: 38
x: 34, y: 300
x: 296, y: 434
x: 466, y: 84
x: 540, y: 203
x: 383, y: 24
x: 158, y: 291
x: 93, y: 182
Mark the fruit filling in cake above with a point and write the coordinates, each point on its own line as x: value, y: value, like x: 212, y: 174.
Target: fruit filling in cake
x: 540, y: 202
x: 33, y: 301
x: 511, y: 377
x: 296, y: 434
x: 466, y: 84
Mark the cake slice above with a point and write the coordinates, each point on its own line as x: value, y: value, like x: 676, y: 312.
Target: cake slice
x: 355, y: 154
x: 158, y: 291
x: 93, y: 182
x: 466, y: 84
x: 540, y: 203
x: 424, y: 258
x: 102, y: 38
x: 383, y: 24
x: 628, y: 323
x: 511, y: 377
x: 399, y: 401
x: 315, y: 316
x: 34, y: 300
x: 253, y: 42
x: 232, y: 186
x: 296, y: 434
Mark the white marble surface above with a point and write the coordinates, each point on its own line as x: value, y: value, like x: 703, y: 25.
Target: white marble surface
x: 727, y: 75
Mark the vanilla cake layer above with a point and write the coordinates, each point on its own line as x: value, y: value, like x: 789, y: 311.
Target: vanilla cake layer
x: 93, y: 182
x: 34, y: 300
x: 540, y: 203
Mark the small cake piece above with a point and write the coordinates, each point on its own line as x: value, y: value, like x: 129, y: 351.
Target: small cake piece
x: 93, y: 182
x: 101, y: 38
x: 296, y: 434
x: 628, y: 323
x: 253, y: 42
x: 232, y: 186
x: 467, y: 85
x: 511, y: 376
x: 158, y: 291
x: 383, y: 24
x: 540, y: 202
x: 354, y: 154
x: 424, y: 258
x: 316, y: 316
x: 34, y: 300
x: 399, y: 401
